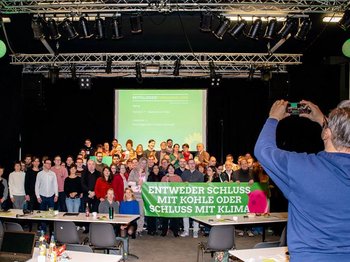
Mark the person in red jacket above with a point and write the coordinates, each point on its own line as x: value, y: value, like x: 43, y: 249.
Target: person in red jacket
x: 103, y: 183
x: 120, y: 183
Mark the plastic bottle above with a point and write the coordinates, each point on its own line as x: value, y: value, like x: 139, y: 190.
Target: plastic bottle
x: 42, y: 244
x: 52, y: 246
x: 87, y: 210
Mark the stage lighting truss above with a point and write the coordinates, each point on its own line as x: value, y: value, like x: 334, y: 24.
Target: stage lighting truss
x: 227, y: 65
x: 108, y: 6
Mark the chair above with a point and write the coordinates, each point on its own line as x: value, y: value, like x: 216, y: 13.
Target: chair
x: 11, y: 226
x: 221, y: 238
x: 102, y: 237
x: 281, y: 243
x: 66, y: 232
x: 80, y: 248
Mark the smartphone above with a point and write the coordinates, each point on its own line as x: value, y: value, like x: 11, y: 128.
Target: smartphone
x: 296, y: 108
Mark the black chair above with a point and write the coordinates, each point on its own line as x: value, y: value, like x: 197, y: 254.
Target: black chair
x: 221, y: 238
x: 11, y: 226
x: 102, y: 237
x: 66, y: 232
x: 281, y: 243
x: 80, y: 248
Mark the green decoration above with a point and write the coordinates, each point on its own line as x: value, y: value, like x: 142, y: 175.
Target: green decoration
x: 346, y: 48
x: 2, y: 48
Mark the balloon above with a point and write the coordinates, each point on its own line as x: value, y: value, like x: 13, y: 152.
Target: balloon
x: 346, y: 48
x: 2, y: 49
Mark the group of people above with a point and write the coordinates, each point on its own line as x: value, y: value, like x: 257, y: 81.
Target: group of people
x: 73, y: 186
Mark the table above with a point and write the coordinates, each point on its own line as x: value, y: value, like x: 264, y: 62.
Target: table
x: 277, y: 217
x: 82, y: 256
x: 276, y: 254
x: 80, y: 217
x: 46, y: 216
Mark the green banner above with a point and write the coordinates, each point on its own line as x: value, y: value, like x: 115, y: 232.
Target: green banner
x: 203, y: 199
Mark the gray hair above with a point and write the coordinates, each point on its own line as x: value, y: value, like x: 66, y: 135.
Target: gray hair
x: 339, y: 124
x: 344, y: 103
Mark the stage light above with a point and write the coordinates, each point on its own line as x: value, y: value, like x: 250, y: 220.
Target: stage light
x: 255, y: 29
x: 138, y: 73
x: 266, y: 74
x: 37, y: 28
x: 344, y: 22
x: 109, y: 65
x: 84, y: 31
x: 271, y: 27
x: 99, y: 28
x: 206, y: 21
x: 222, y: 28
x: 54, y: 73
x: 69, y: 28
x: 117, y: 27
x: 287, y: 28
x: 73, y: 71
x: 251, y: 73
x: 304, y: 29
x: 215, y: 79
x: 85, y: 83
x: 177, y: 65
x: 238, y: 29
x: 53, y: 30
x: 136, y: 23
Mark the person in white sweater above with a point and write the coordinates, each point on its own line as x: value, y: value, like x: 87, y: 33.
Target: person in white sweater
x: 16, y: 187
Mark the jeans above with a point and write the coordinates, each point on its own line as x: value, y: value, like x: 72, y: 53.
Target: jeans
x: 61, y: 203
x: 73, y: 204
x: 19, y: 202
x: 46, y: 203
x: 187, y: 225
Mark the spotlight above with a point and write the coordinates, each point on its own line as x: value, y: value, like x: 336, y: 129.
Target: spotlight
x: 37, y: 28
x: 270, y: 31
x: 138, y: 73
x: 344, y: 22
x: 69, y: 28
x: 54, y: 72
x: 136, y: 24
x: 255, y: 29
x: 251, y: 73
x: 84, y: 31
x: 266, y: 74
x: 109, y: 65
x: 222, y: 28
x: 85, y: 83
x: 287, y: 27
x: 73, y: 71
x: 238, y: 29
x: 99, y: 28
x: 304, y: 29
x: 205, y: 23
x: 177, y: 65
x: 117, y: 27
x: 53, y: 30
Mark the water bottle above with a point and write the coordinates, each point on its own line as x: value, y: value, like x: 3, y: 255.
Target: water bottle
x: 87, y: 210
x: 42, y: 244
x: 111, y: 212
x: 52, y: 246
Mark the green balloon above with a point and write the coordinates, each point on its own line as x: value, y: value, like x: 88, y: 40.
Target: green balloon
x: 346, y: 48
x: 2, y: 48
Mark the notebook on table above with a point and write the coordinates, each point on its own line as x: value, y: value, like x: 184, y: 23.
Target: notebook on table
x: 17, y: 246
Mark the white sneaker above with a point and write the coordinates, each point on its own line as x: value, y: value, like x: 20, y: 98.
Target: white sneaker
x: 184, y: 234
x: 250, y: 233
x: 78, y: 228
x: 195, y: 234
x: 241, y: 234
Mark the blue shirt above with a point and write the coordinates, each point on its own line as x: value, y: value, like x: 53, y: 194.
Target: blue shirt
x: 317, y: 187
x: 129, y: 207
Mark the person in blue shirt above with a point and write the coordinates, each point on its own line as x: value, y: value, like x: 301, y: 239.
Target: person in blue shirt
x: 129, y: 206
x: 317, y: 186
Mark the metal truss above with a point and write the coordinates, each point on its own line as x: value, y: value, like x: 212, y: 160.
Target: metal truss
x: 77, y: 7
x: 227, y: 65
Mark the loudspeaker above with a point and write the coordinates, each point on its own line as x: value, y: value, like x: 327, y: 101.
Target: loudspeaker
x: 32, y: 92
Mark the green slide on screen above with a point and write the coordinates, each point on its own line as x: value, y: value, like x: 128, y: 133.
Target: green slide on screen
x: 141, y: 115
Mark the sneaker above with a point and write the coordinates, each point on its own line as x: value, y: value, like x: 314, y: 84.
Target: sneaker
x: 250, y: 233
x: 241, y: 234
x: 184, y: 234
x: 78, y: 228
x: 83, y: 228
x: 195, y: 234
